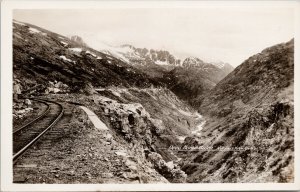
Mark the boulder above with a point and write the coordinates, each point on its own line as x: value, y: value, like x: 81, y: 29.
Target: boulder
x: 121, y: 153
x: 28, y: 102
x: 169, y: 170
x: 131, y: 120
x: 89, y: 89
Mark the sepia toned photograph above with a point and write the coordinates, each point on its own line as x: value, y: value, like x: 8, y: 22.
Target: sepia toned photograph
x: 152, y: 95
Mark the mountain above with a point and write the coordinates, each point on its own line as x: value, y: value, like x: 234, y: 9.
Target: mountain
x: 226, y: 67
x: 78, y: 40
x: 217, y: 69
x: 194, y: 78
x: 146, y: 57
x: 187, y: 79
x: 41, y: 56
x: 249, y: 123
x: 139, y: 56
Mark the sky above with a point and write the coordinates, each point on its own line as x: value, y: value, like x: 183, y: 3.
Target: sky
x: 229, y: 34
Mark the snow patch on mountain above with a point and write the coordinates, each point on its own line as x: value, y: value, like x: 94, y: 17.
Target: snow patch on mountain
x: 88, y: 52
x: 66, y: 59
x: 76, y: 49
x: 34, y: 30
x: 64, y: 43
x: 161, y: 62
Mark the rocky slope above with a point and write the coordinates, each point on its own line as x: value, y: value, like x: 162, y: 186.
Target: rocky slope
x: 40, y: 56
x: 187, y: 79
x: 141, y: 56
x: 250, y: 123
x: 195, y: 78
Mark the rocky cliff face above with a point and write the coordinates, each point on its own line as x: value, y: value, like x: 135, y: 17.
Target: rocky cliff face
x: 250, y: 123
x: 146, y: 56
x: 195, y: 78
x: 140, y: 56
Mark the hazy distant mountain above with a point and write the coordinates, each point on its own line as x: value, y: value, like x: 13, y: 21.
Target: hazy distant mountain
x: 139, y: 56
x: 78, y: 40
x: 194, y: 62
x: 226, y: 67
x: 144, y: 56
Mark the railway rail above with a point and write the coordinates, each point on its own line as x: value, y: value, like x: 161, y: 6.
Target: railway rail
x: 25, y: 136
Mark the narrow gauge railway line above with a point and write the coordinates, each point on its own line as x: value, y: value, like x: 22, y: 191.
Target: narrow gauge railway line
x: 25, y: 136
x: 17, y: 129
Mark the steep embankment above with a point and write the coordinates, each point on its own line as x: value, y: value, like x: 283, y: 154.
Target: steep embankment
x: 145, y: 121
x: 250, y: 123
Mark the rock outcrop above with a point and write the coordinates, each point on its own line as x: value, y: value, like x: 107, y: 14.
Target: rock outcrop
x: 169, y: 170
x: 132, y: 121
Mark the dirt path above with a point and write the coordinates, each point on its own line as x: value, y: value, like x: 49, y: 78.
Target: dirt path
x: 94, y: 119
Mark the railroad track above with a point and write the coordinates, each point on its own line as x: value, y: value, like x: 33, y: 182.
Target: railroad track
x: 25, y: 136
